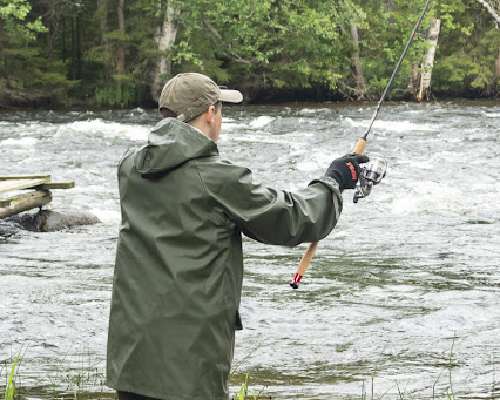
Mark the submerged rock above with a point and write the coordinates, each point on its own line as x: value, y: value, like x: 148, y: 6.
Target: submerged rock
x: 50, y: 221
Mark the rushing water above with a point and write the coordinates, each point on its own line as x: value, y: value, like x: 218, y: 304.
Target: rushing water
x: 404, y: 293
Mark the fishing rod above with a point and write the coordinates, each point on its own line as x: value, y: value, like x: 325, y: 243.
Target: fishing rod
x: 372, y: 172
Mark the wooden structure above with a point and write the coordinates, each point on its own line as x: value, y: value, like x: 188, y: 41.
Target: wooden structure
x: 26, y: 192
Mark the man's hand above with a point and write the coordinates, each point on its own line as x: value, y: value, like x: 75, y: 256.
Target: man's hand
x: 345, y: 170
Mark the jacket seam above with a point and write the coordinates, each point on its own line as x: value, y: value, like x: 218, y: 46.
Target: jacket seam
x: 205, y: 188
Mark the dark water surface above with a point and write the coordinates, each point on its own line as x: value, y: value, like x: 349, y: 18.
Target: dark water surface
x: 404, y: 293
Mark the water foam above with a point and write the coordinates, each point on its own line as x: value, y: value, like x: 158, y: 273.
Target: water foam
x: 22, y: 142
x: 315, y: 162
x: 107, y: 217
x: 430, y: 197
x: 260, y: 122
x: 491, y: 115
x: 397, y: 126
x: 137, y: 133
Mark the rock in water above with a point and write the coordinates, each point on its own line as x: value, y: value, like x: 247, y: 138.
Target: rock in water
x: 50, y: 221
x: 8, y: 229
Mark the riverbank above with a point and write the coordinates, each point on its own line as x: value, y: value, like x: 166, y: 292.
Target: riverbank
x: 44, y: 99
x: 87, y: 382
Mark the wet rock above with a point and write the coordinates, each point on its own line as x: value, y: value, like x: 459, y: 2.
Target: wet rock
x: 50, y: 221
x: 8, y: 229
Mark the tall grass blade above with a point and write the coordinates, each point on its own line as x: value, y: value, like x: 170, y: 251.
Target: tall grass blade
x: 10, y: 389
x: 242, y: 394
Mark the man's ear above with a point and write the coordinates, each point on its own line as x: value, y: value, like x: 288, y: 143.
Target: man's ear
x: 212, y: 112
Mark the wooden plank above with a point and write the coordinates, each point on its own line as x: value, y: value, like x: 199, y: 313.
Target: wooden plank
x: 25, y: 202
x: 6, y: 186
x: 6, y: 201
x: 57, y: 185
x: 16, y: 177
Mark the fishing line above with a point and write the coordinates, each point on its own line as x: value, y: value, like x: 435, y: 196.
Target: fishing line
x: 396, y: 69
x: 373, y: 172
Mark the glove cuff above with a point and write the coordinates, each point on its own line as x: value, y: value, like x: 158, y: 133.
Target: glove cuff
x: 338, y: 178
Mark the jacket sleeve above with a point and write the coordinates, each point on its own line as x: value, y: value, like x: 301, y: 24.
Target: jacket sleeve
x: 273, y: 216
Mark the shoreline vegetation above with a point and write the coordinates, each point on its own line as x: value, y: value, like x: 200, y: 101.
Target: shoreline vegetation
x: 87, y: 382
x: 275, y: 102
x: 115, y: 54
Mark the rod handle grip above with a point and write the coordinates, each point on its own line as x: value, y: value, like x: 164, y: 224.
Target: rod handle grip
x: 360, y: 146
x: 304, y: 264
x: 307, y: 258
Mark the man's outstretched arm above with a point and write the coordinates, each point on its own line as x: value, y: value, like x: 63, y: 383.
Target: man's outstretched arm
x: 274, y: 216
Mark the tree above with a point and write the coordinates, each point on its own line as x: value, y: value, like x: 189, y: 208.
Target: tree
x: 425, y: 78
x: 116, y: 53
x: 20, y: 86
x: 165, y: 35
x: 120, y: 51
x: 357, y: 67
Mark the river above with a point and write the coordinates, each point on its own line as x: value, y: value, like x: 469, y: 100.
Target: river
x: 404, y: 295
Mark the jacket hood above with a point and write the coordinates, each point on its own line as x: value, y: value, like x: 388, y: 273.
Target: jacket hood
x: 172, y: 143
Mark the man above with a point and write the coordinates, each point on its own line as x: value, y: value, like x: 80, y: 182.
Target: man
x: 179, y: 263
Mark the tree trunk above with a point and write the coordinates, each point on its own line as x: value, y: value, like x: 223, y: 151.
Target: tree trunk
x: 497, y: 66
x: 414, y: 83
x: 50, y: 23
x: 78, y: 50
x: 165, y: 39
x: 357, y: 68
x: 102, y: 16
x: 424, y: 92
x: 64, y: 48
x: 76, y: 55
x: 492, y: 11
x: 120, y: 51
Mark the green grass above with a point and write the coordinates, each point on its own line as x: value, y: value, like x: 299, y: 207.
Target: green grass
x: 242, y: 394
x: 10, y: 388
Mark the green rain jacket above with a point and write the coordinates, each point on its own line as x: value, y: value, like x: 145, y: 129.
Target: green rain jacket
x: 179, y: 262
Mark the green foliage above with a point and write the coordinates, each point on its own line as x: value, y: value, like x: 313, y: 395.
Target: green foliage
x: 72, y: 48
x: 244, y: 389
x: 467, y: 62
x: 14, y: 15
x: 25, y: 71
x: 121, y: 92
x: 286, y: 44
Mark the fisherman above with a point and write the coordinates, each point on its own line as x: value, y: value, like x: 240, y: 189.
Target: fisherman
x: 179, y: 262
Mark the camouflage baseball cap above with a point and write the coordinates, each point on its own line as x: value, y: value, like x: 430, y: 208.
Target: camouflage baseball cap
x: 189, y: 95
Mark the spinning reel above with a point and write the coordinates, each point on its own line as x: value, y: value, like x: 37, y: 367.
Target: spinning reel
x: 370, y: 174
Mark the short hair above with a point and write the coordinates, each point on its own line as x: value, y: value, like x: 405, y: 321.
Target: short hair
x: 168, y: 113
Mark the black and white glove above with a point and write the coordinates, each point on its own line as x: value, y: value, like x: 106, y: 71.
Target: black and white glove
x: 345, y: 170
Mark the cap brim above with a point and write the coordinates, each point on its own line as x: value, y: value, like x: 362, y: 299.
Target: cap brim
x: 230, y: 96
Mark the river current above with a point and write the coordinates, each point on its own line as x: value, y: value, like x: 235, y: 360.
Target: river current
x: 403, y: 296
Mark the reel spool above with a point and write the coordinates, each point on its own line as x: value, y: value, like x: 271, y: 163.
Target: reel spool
x: 370, y: 174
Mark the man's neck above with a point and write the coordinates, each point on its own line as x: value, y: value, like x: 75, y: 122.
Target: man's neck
x: 201, y: 129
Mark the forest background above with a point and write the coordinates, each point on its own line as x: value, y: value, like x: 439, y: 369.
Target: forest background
x: 118, y: 53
